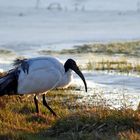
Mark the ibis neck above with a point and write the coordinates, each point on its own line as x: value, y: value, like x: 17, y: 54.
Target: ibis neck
x: 66, y: 80
x: 66, y: 68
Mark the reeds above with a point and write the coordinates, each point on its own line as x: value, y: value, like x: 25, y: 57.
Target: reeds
x: 122, y: 66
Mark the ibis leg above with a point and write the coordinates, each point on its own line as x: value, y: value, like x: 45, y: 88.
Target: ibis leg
x: 36, y: 104
x: 46, y: 105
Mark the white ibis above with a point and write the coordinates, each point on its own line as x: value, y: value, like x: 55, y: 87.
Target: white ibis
x: 38, y: 75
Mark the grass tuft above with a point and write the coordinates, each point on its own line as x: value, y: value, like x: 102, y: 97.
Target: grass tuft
x: 18, y: 120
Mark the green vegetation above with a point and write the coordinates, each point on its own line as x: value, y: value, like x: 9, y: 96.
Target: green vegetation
x: 18, y: 120
x: 113, y: 65
x: 123, y: 48
x: 6, y: 52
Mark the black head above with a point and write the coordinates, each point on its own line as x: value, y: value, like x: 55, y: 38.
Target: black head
x: 71, y: 64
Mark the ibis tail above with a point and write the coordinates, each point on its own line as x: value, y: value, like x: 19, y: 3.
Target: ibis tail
x: 8, y: 83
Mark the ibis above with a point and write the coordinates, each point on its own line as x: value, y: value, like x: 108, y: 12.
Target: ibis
x: 39, y: 75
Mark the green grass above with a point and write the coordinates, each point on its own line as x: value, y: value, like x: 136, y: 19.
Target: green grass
x: 18, y: 120
x: 118, y: 65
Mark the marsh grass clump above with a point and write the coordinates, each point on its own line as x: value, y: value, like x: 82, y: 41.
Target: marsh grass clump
x: 119, y: 65
x: 4, y: 51
x: 90, y: 66
x: 99, y: 123
x: 115, y: 48
x: 126, y: 48
x: 18, y: 120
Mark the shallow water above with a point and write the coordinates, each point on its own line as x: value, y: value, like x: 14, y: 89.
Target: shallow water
x: 42, y: 29
x: 25, y: 32
x: 115, y: 90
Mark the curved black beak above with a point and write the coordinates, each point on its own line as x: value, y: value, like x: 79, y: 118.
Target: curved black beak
x: 77, y: 71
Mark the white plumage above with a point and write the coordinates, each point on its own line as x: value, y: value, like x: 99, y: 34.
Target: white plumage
x: 44, y: 74
x: 38, y: 75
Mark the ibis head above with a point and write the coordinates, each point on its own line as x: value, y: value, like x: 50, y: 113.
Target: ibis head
x: 71, y: 64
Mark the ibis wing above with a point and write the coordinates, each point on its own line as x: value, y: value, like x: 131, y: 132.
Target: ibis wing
x: 39, y: 80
